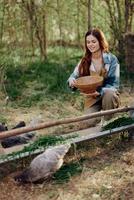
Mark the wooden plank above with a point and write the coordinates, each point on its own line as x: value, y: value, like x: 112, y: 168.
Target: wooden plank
x: 94, y: 136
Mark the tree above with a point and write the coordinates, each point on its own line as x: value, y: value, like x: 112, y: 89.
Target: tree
x: 120, y: 21
x: 89, y: 14
x: 129, y: 12
x: 2, y: 20
x: 37, y: 19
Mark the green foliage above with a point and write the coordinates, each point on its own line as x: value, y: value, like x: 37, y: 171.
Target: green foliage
x: 41, y: 142
x: 15, y: 81
x: 32, y: 82
x: 121, y: 121
x: 67, y: 171
x: 51, y: 75
x: 66, y: 21
x: 37, y: 80
x: 2, y: 119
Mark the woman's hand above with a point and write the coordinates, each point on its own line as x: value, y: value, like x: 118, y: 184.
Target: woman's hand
x: 72, y: 82
x: 94, y: 94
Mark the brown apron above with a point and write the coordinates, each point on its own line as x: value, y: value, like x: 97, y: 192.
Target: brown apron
x: 89, y: 101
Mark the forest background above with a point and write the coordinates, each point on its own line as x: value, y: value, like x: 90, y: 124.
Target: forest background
x: 41, y: 41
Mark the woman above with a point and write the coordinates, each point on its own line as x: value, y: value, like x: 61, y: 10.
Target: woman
x: 98, y: 61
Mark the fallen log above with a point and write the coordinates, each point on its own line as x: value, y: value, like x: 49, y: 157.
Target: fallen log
x: 19, y: 131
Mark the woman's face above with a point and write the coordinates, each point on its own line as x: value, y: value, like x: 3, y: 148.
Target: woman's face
x: 92, y: 44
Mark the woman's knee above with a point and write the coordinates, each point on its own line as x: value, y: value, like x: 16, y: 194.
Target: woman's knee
x: 110, y: 100
x: 109, y: 94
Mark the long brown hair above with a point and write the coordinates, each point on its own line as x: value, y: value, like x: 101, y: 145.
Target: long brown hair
x: 86, y: 60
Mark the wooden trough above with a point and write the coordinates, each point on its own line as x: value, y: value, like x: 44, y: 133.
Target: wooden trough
x: 10, y: 164
x: 19, y: 131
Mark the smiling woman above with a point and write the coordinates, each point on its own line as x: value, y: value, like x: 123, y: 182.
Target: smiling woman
x: 98, y: 61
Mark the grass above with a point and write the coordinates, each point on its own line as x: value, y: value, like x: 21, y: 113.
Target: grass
x: 46, y: 78
x: 29, y: 81
x: 66, y: 172
x: 2, y: 119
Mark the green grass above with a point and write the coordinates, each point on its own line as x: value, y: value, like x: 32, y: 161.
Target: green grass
x: 42, y: 78
x: 28, y: 81
x: 2, y: 119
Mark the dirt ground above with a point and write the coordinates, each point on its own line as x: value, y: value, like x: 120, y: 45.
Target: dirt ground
x: 108, y: 172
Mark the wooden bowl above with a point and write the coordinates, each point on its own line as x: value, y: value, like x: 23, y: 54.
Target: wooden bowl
x: 88, y: 84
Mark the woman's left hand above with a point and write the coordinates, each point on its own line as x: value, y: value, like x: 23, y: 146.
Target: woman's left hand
x: 94, y: 94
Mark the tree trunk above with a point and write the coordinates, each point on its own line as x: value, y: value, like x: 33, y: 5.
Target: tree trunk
x: 2, y: 21
x: 129, y: 11
x: 89, y: 14
x: 40, y: 30
x: 31, y: 27
x: 29, y: 8
x: 44, y: 35
x: 59, y: 23
x: 78, y: 22
x: 38, y: 24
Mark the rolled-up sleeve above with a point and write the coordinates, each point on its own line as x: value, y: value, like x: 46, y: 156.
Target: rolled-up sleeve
x: 75, y: 73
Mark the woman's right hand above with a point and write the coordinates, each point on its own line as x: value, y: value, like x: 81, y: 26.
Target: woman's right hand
x: 94, y: 94
x: 72, y: 82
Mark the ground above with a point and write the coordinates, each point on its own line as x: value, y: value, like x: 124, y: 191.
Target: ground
x: 108, y: 172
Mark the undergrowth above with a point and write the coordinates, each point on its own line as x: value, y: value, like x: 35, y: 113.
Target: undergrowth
x: 31, y: 81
